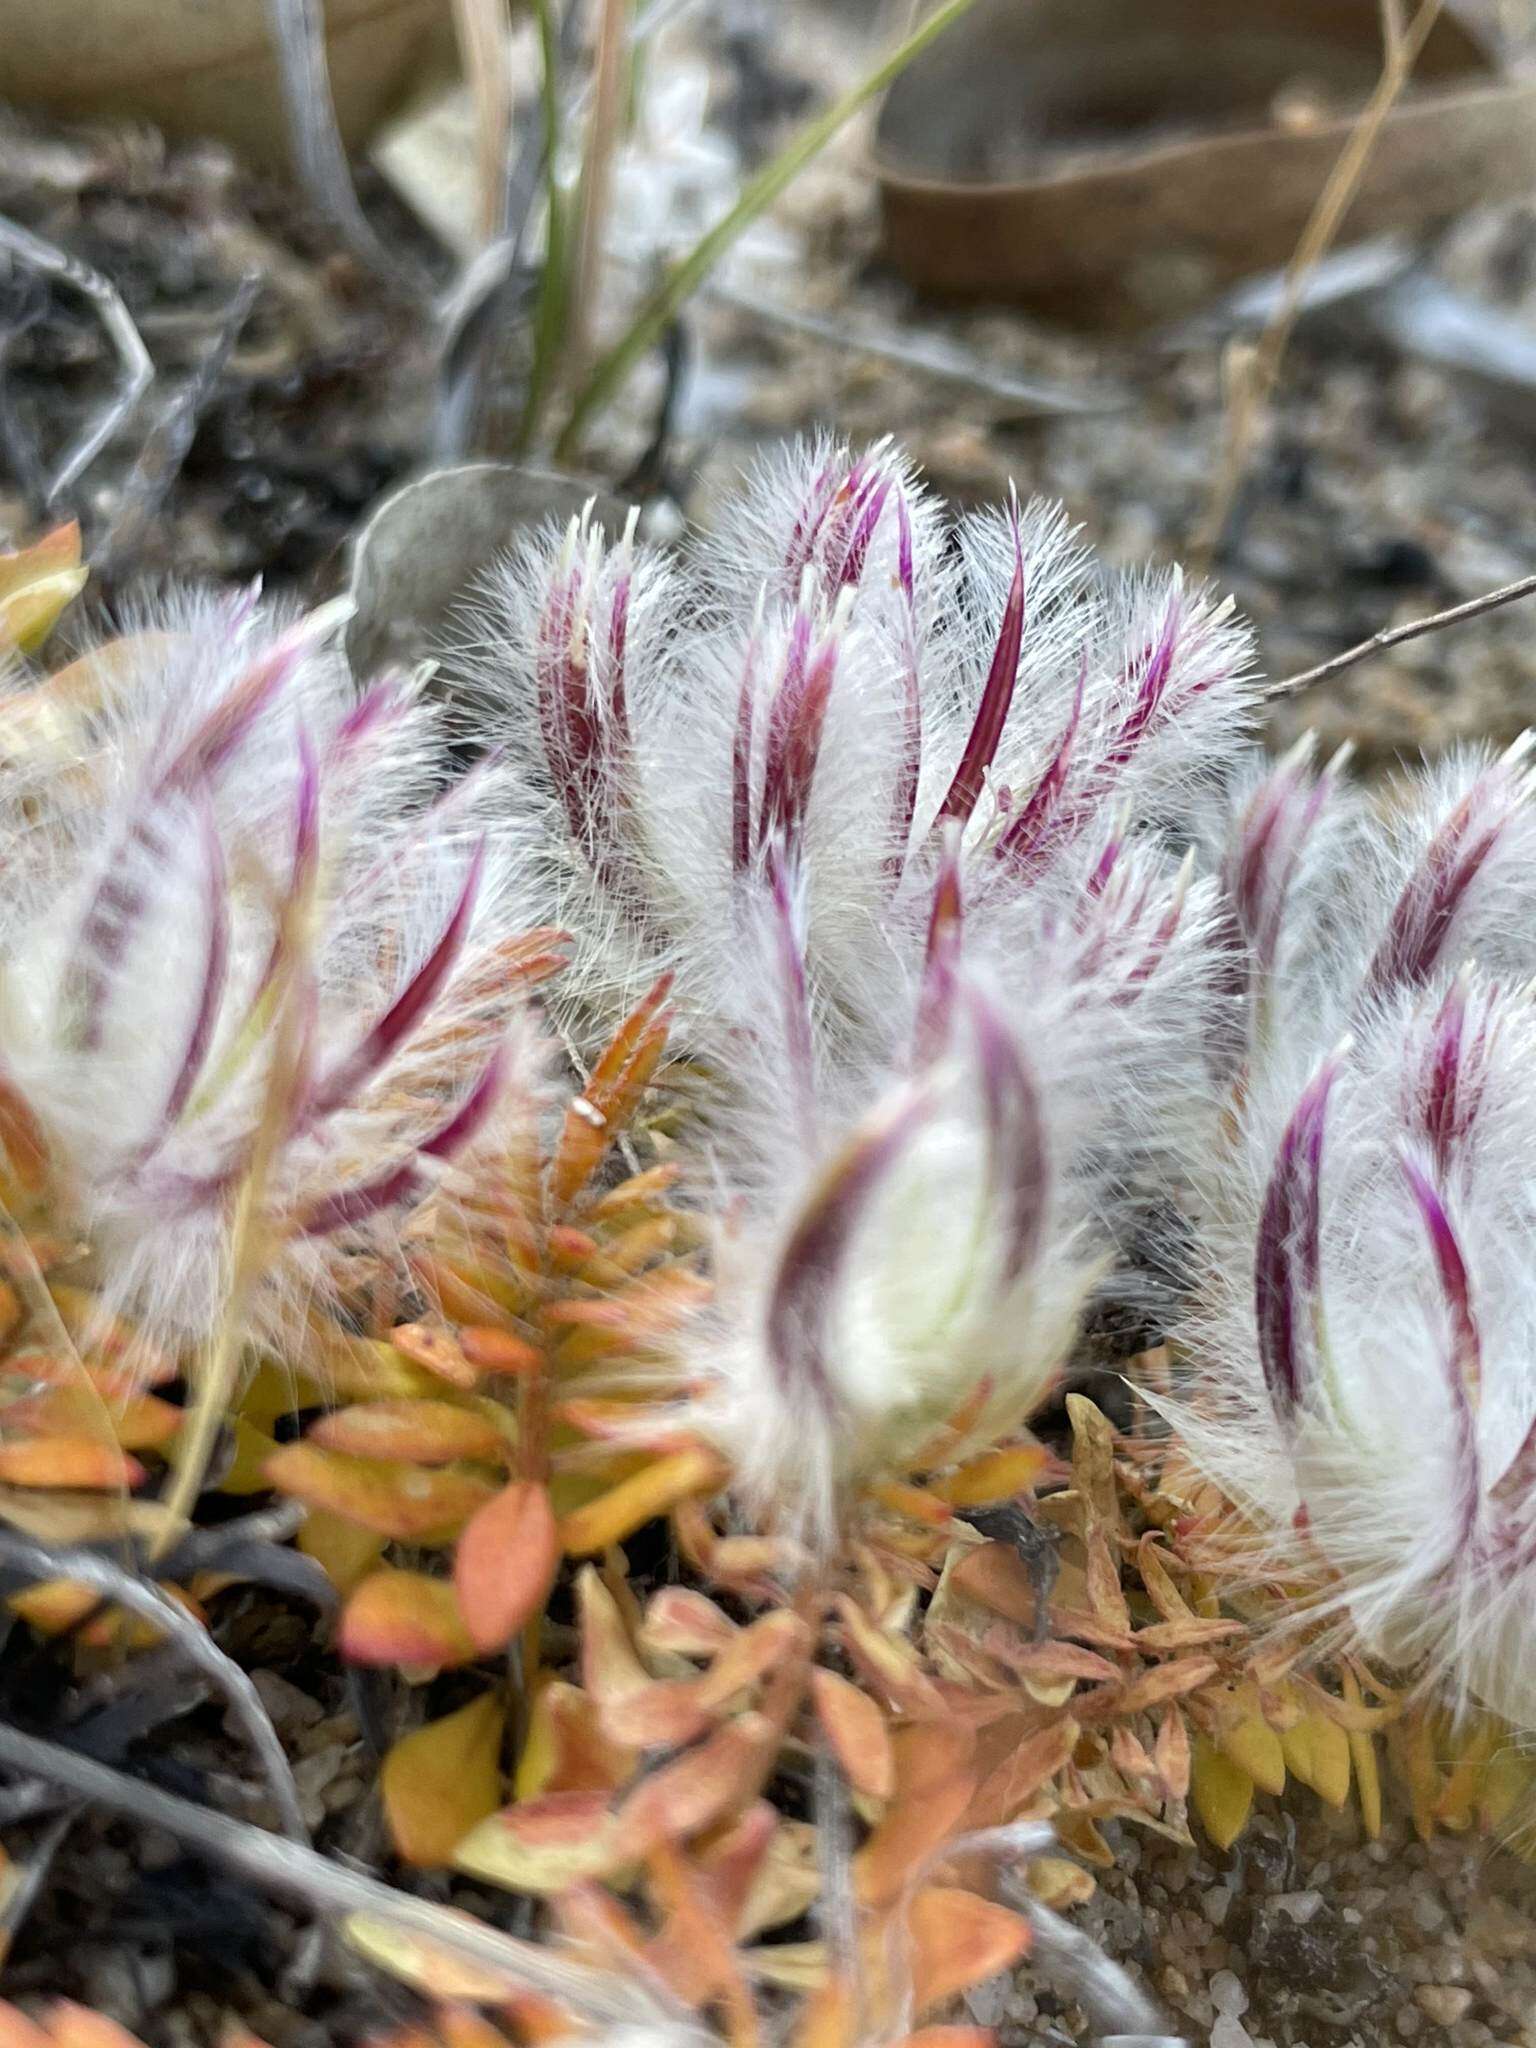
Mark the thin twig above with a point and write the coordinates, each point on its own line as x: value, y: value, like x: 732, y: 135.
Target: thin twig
x: 1393, y: 636
x: 929, y: 354
x: 126, y: 1589
x: 297, y: 29
x: 1258, y: 371
x: 137, y: 370
x: 291, y: 1871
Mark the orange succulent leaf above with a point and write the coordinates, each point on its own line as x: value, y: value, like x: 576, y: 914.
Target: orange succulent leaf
x: 610, y: 1666
x: 566, y: 1749
x: 772, y: 1643
x: 959, y: 1940
x: 949, y: 2037
x: 440, y: 1780
x: 999, y: 1475
x: 401, y: 1501
x: 506, y: 1562
x: 344, y: 1552
x: 545, y: 1845
x: 618, y: 1080
x: 684, y: 1623
x: 77, y: 2026
x: 137, y: 1422
x: 68, y: 1461
x: 641, y: 1498
x: 417, y: 1432
x: 700, y: 1788
x: 1029, y: 1762
x: 889, y: 1664
x: 36, y: 584
x: 497, y: 1353
x: 405, y: 1618
x: 935, y: 1783
x: 665, y: 1714
x: 436, y: 1351
x: 858, y: 1733
x: 21, y: 1136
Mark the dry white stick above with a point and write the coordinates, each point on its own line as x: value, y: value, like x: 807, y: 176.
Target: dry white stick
x: 289, y: 1870
x: 137, y: 370
x: 145, y: 1599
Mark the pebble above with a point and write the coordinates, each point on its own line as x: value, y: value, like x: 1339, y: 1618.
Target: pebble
x: 1216, y: 1903
x: 1228, y: 1994
x: 1445, y: 2004
x: 1299, y: 1906
x: 1230, y: 2033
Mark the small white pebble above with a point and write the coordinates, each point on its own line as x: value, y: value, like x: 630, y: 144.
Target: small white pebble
x: 1230, y: 2033
x: 1299, y: 1906
x: 1445, y: 2004
x: 1216, y: 1903
x: 1228, y: 1994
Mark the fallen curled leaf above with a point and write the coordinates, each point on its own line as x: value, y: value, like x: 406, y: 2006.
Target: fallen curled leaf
x: 419, y: 1432
x: 959, y: 1940
x: 1058, y: 1883
x: 858, y: 1733
x: 440, y: 1780
x: 1151, y: 1689
x: 405, y: 1502
x: 405, y: 1618
x: 1171, y: 1754
x: 505, y: 1563
x: 544, y: 1845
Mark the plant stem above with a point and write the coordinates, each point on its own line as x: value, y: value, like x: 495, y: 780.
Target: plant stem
x: 1393, y: 636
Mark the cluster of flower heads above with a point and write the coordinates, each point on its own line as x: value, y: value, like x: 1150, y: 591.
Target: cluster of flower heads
x: 256, y: 959
x: 985, y: 927
x: 905, y: 814
x: 1366, y: 1330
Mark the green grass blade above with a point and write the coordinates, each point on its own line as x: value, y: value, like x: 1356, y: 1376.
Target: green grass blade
x: 685, y: 277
